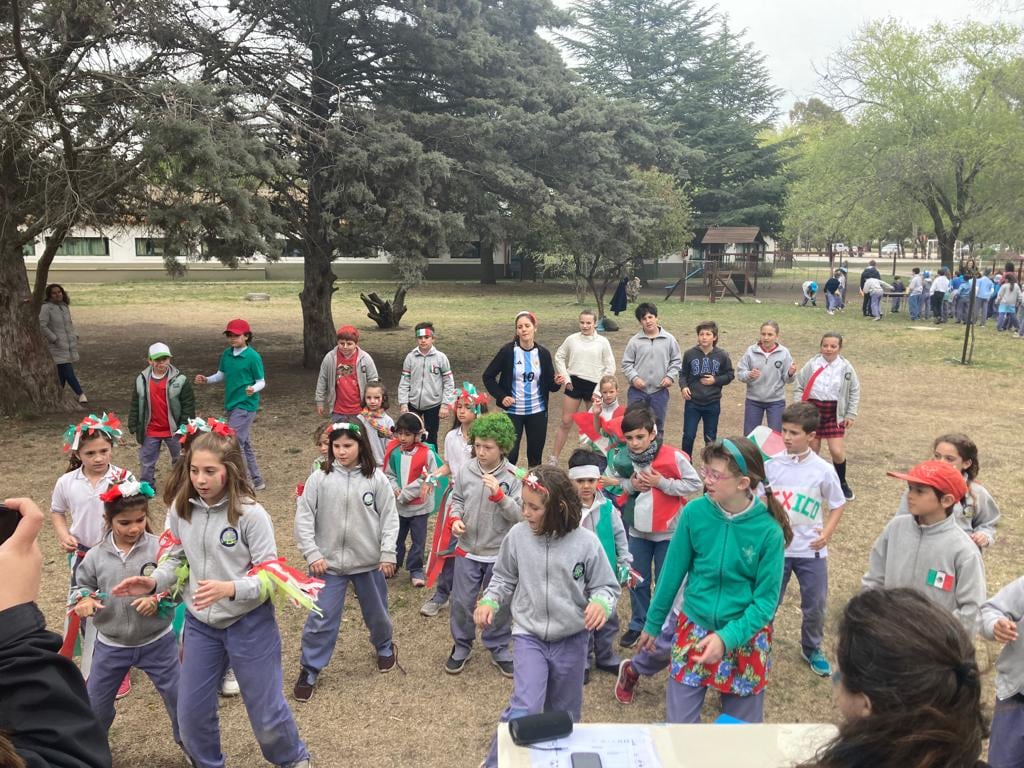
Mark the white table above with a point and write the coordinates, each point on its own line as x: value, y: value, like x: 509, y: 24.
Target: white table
x: 707, y: 746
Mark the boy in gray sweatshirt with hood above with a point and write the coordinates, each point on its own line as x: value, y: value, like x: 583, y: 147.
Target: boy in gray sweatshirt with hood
x: 926, y: 550
x: 1000, y: 621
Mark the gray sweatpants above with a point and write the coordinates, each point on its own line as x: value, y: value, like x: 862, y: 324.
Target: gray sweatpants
x: 470, y: 579
x: 684, y: 702
x: 812, y: 576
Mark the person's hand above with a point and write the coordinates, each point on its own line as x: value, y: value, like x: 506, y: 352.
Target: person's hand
x: 146, y: 606
x: 403, y: 408
x: 754, y: 375
x: 651, y: 477
x: 68, y: 542
x: 319, y: 410
x: 21, y: 562
x: 686, y: 393
x: 211, y: 591
x: 980, y: 539
x: 483, y: 616
x: 87, y: 607
x: 711, y: 649
x: 445, y: 412
x: 458, y: 528
x: 594, y: 616
x: 424, y: 491
x: 595, y: 403
x: 318, y: 567
x: 200, y: 379
x: 1005, y: 631
x: 820, y: 543
x: 847, y: 423
x: 639, y: 483
x: 388, y: 569
x: 792, y: 369
x: 638, y: 383
x: 560, y: 379
x: 665, y: 382
x: 135, y: 586
x: 707, y: 379
x: 491, y: 484
x: 250, y: 391
x: 646, y: 643
x: 508, y: 401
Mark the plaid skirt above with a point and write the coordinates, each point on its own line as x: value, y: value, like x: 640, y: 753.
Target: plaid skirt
x: 829, y: 426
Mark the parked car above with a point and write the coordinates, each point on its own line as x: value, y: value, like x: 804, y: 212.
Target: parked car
x: 890, y: 248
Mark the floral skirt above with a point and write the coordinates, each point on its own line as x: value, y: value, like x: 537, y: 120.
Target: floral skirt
x: 742, y: 671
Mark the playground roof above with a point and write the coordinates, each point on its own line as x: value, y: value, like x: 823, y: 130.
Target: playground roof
x: 730, y: 235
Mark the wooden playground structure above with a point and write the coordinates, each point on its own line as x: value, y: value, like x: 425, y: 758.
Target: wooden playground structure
x: 727, y: 260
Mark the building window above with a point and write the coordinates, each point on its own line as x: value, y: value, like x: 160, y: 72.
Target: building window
x: 472, y: 252
x: 150, y: 246
x: 84, y: 246
x: 28, y: 250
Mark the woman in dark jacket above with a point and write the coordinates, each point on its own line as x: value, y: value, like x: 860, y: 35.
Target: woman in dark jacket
x: 520, y: 378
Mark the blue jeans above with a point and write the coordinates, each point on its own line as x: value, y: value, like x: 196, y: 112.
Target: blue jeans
x: 915, y: 306
x: 657, y: 401
x: 693, y: 414
x: 66, y: 375
x: 648, y: 558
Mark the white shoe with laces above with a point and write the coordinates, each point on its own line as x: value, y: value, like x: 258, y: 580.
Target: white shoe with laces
x: 229, y: 685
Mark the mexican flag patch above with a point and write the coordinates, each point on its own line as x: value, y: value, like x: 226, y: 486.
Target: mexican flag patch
x: 941, y: 580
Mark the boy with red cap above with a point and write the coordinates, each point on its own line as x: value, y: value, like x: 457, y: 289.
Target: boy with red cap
x: 241, y: 370
x: 344, y: 373
x: 926, y: 550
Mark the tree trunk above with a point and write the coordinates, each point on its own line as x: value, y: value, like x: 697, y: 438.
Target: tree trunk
x: 53, y: 241
x: 28, y: 376
x: 318, y: 331
x: 385, y: 313
x: 487, y: 262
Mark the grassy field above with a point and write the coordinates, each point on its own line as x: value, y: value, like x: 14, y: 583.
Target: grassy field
x: 911, y: 391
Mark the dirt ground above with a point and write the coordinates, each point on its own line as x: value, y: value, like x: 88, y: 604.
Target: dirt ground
x: 421, y: 716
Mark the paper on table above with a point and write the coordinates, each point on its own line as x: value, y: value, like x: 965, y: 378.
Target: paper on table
x: 623, y: 746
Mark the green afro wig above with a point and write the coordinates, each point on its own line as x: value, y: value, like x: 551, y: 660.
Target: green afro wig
x: 494, y: 426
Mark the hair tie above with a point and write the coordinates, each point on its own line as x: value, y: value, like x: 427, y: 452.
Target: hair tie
x: 345, y: 426
x: 741, y: 462
x: 199, y: 424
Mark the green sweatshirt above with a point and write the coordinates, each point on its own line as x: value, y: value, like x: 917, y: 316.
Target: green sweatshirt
x: 734, y: 565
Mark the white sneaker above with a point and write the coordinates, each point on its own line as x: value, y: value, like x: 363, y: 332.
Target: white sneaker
x: 553, y: 461
x: 229, y: 685
x: 83, y: 399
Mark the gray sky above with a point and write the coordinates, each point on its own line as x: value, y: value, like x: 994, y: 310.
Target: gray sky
x: 798, y: 35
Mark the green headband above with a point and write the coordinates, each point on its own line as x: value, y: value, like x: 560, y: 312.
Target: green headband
x: 730, y: 446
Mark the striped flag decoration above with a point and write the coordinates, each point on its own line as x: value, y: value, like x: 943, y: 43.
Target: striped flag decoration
x: 768, y: 441
x: 941, y: 580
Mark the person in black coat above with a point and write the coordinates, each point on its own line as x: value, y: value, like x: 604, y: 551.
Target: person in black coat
x: 44, y: 709
x: 871, y: 271
x: 520, y: 378
x: 619, y: 298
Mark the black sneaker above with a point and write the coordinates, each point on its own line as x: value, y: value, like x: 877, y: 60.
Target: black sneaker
x: 454, y: 666
x: 303, y: 690
x: 629, y: 638
x: 505, y: 667
x: 611, y: 669
x: 848, y: 492
x: 586, y: 676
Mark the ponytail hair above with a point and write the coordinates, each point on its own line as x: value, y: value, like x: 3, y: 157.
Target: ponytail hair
x: 966, y: 448
x: 750, y: 464
x: 924, y: 687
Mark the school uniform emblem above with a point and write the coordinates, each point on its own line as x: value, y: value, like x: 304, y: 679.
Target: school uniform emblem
x: 778, y: 363
x: 940, y: 580
x: 578, y: 570
x: 228, y: 537
x: 504, y: 486
x: 147, y: 569
x: 368, y: 498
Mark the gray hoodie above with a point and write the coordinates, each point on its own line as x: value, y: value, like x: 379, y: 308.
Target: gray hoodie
x: 911, y: 555
x: 486, y: 521
x: 427, y: 380
x: 327, y: 380
x: 770, y: 386
x: 849, y: 391
x: 101, y: 570
x: 217, y: 550
x: 347, y: 519
x: 1008, y: 603
x: 652, y: 359
x: 550, y: 580
x: 979, y: 515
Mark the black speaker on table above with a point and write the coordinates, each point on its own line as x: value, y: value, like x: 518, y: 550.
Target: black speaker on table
x: 533, y: 729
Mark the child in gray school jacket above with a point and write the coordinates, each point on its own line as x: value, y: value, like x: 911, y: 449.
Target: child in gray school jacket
x: 1000, y: 621
x: 927, y: 551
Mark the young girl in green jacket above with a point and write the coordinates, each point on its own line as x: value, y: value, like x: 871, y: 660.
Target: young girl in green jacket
x: 730, y: 545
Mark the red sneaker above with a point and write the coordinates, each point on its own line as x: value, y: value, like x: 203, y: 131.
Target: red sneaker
x: 126, y: 686
x: 625, y: 684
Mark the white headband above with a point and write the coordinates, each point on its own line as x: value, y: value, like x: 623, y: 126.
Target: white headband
x: 585, y: 472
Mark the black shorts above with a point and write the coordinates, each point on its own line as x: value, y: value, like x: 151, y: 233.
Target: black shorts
x: 581, y: 389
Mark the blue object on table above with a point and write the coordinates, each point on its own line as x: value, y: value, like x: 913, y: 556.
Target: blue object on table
x: 724, y: 719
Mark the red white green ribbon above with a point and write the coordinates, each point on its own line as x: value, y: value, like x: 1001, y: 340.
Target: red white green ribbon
x: 107, y: 424
x: 280, y: 580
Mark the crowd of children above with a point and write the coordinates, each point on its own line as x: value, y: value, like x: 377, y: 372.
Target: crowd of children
x: 706, y: 555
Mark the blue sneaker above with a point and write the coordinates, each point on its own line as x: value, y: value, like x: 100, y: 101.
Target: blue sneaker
x: 818, y: 663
